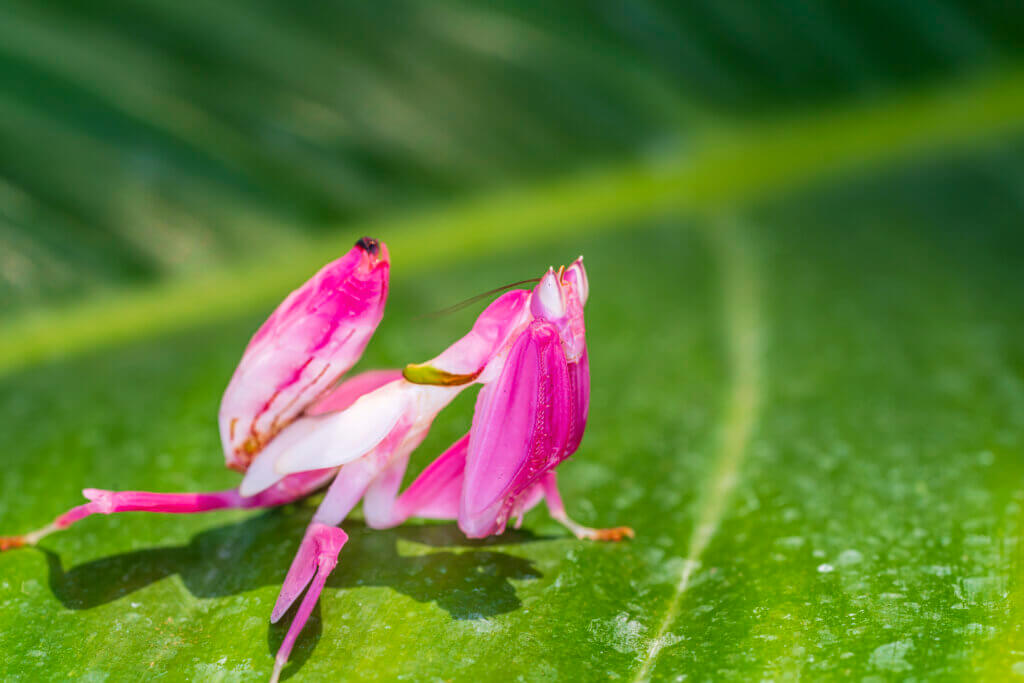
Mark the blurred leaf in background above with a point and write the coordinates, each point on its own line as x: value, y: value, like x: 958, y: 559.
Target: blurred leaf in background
x: 801, y: 222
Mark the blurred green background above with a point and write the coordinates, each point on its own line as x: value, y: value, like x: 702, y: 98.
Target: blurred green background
x: 801, y: 222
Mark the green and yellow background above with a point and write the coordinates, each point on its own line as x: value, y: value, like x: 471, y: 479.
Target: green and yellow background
x: 802, y: 225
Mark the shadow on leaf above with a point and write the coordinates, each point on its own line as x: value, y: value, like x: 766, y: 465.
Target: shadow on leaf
x: 464, y: 579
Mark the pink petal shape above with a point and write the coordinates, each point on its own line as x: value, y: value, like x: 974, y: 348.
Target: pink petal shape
x: 549, y: 300
x: 435, y: 493
x: 579, y: 386
x: 330, y: 440
x: 343, y: 437
x: 346, y: 393
x: 317, y: 537
x: 317, y: 333
x: 372, y: 424
x: 525, y: 501
x: 316, y: 559
x: 342, y: 496
x: 576, y: 276
x: 382, y: 493
x: 520, y: 429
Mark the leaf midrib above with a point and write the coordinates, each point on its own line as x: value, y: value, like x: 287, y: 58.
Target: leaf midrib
x: 740, y: 285
x: 720, y: 167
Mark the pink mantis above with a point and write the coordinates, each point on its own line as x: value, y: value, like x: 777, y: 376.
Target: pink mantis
x: 292, y: 430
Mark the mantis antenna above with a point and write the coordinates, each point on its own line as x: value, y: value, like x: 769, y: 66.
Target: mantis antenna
x: 473, y: 299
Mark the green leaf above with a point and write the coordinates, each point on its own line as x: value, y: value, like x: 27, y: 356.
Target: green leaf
x: 808, y: 383
x: 809, y: 410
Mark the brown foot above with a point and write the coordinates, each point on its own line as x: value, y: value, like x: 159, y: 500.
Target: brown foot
x: 614, y: 534
x: 585, y: 532
x: 11, y: 542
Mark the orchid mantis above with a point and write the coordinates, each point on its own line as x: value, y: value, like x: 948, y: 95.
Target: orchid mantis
x: 292, y: 429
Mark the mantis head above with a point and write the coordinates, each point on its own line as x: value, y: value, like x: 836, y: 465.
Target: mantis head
x: 559, y: 298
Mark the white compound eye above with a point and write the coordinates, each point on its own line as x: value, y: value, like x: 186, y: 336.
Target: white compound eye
x: 547, y: 300
x: 576, y: 275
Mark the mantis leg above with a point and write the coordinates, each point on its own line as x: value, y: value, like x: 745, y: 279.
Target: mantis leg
x: 109, y: 502
x: 434, y: 494
x: 557, y: 511
x: 318, y: 553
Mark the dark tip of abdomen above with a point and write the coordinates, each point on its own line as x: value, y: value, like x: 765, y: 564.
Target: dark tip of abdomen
x: 369, y: 245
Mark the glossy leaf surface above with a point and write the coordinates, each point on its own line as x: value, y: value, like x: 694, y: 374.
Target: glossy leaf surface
x: 804, y: 330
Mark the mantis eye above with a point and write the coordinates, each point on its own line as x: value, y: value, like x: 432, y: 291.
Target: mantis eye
x: 576, y: 275
x: 547, y: 298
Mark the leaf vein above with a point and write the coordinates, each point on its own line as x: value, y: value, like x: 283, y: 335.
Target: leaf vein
x: 739, y: 285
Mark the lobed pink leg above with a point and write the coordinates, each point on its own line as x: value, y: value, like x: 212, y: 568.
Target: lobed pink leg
x: 526, y: 502
x: 382, y: 494
x: 109, y: 502
x: 318, y: 553
x: 434, y: 494
x: 557, y: 510
x: 319, y: 550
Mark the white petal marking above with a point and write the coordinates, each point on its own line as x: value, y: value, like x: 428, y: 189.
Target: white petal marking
x: 261, y: 475
x: 348, y: 435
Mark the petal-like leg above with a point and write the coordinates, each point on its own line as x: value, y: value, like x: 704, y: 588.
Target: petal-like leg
x: 318, y: 553
x: 109, y: 502
x: 525, y: 502
x: 346, y: 490
x: 319, y: 549
x: 379, y: 502
x: 434, y: 494
x: 437, y: 491
x: 558, y: 513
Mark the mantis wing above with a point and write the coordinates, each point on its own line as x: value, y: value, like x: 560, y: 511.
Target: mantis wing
x: 521, y: 427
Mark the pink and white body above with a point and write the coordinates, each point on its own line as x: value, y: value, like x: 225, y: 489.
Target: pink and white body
x: 291, y: 434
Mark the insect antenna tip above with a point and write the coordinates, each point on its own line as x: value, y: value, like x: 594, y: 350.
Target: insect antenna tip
x: 473, y: 299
